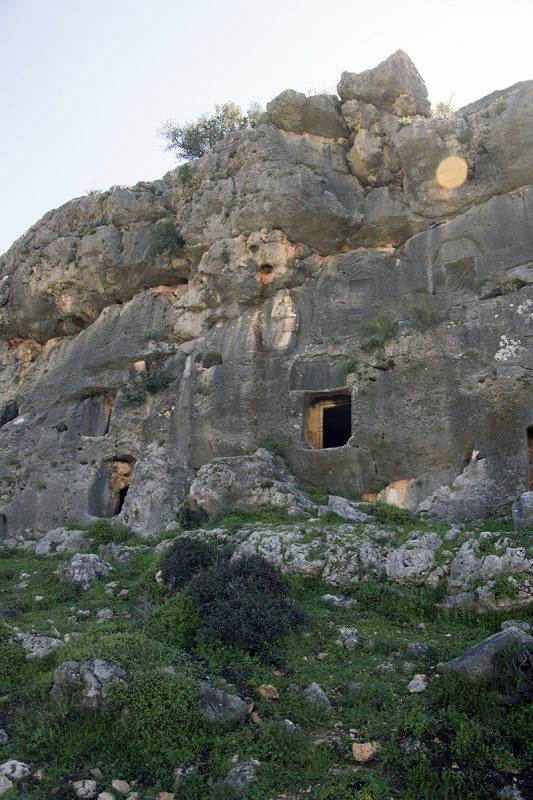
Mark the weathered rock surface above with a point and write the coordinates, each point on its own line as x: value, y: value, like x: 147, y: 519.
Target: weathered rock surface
x: 246, y: 482
x: 479, y: 661
x: 216, y: 704
x: 319, y: 114
x: 241, y: 775
x: 394, y: 79
x: 60, y: 540
x: 83, y: 569
x: 315, y: 694
x: 15, y: 770
x: 87, y: 685
x: 523, y: 512
x: 123, y: 371
x: 36, y: 646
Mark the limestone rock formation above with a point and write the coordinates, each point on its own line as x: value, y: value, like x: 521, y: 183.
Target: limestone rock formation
x: 331, y: 295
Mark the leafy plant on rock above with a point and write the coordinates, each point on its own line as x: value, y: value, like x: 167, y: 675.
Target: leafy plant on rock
x: 424, y: 314
x: 166, y: 238
x: 379, y: 329
x: 194, y: 139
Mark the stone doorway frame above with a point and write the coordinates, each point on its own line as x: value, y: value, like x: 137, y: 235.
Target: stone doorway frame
x: 314, y: 417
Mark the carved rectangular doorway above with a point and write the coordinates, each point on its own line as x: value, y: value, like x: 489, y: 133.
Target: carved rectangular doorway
x: 328, y: 422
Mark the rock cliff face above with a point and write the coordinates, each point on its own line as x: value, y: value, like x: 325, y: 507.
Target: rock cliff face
x: 331, y: 295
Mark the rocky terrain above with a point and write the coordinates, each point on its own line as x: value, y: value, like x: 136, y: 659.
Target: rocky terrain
x: 308, y: 283
x: 392, y: 681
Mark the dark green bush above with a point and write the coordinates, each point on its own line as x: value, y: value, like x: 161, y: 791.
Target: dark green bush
x: 183, y: 560
x: 391, y: 515
x: 245, y: 602
x: 166, y: 238
x: 152, y: 381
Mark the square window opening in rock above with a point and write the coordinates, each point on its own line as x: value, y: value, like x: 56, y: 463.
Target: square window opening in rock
x: 328, y: 422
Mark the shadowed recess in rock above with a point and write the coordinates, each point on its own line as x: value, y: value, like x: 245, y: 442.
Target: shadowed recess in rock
x: 328, y: 422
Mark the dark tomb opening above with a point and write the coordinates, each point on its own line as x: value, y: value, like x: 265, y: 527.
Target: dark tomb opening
x: 10, y: 412
x: 120, y: 482
x: 530, y: 456
x: 110, y: 487
x: 337, y: 425
x: 328, y: 422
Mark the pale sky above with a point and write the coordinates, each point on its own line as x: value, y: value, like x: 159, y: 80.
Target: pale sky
x: 85, y: 84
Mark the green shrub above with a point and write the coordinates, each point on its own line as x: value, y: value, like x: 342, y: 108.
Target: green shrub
x: 103, y: 533
x: 503, y: 587
x: 391, y: 515
x: 245, y: 602
x: 269, y: 443
x: 175, y: 622
x: 166, y: 238
x: 183, y: 560
x: 149, y: 380
x: 194, y: 139
x: 379, y: 329
x: 12, y: 663
x: 160, y: 719
x: 425, y: 314
x: 349, y: 365
x: 130, y: 650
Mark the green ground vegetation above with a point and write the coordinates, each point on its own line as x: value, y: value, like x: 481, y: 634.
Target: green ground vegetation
x: 450, y: 742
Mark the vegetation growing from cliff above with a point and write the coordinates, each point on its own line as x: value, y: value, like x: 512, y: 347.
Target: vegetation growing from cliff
x: 450, y: 742
x: 194, y: 139
x: 379, y: 329
x: 166, y: 238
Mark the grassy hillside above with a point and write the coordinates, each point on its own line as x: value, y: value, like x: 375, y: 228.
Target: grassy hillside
x: 450, y: 741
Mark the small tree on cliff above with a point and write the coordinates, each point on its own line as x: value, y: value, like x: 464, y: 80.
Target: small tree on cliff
x: 194, y: 139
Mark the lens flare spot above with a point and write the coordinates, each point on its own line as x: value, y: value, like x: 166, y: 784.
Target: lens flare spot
x: 451, y: 172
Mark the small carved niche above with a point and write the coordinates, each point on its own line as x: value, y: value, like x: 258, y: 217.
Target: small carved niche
x: 110, y: 487
x: 120, y: 481
x: 95, y: 412
x: 328, y: 421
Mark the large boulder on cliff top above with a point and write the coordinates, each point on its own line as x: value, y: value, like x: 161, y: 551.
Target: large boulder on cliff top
x: 319, y: 114
x: 396, y: 77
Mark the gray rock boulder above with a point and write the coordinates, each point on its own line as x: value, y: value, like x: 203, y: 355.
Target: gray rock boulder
x: 394, y: 81
x: 83, y: 569
x: 241, y: 775
x: 216, y: 704
x: 247, y: 483
x: 5, y: 784
x: 61, y: 540
x: 15, y: 770
x: 87, y: 685
x: 347, y: 638
x: 479, y: 661
x: 36, y: 646
x: 347, y: 510
x: 412, y: 563
x: 85, y: 789
x: 315, y: 694
x: 319, y: 114
x: 521, y: 624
